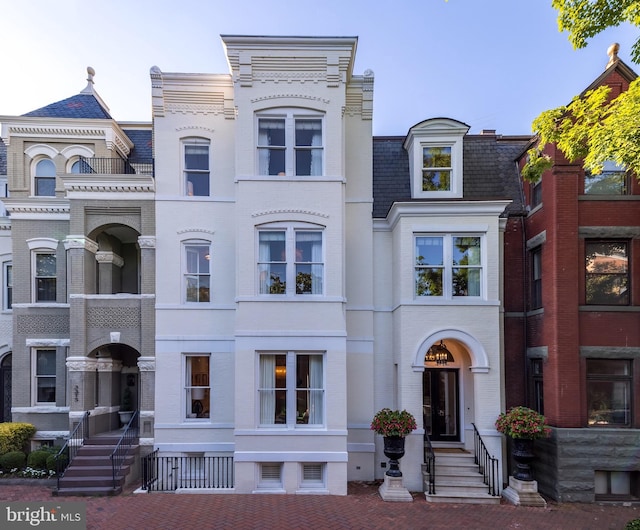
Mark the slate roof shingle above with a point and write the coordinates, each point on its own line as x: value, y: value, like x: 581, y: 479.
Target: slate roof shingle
x: 489, y: 171
x: 80, y: 106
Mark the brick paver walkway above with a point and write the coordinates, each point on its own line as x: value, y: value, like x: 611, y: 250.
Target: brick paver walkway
x: 361, y: 509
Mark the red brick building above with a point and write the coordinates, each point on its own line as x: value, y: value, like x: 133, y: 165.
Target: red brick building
x: 572, y: 327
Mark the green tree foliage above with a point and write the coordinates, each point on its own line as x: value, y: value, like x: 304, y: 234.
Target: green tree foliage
x: 593, y: 126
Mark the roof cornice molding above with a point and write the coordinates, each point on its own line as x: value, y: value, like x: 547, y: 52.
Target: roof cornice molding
x: 74, y: 184
x: 432, y: 209
x: 37, y: 208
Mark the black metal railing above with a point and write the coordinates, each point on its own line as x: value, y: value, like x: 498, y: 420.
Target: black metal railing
x: 430, y: 464
x: 116, y: 166
x: 487, y: 465
x: 71, y: 447
x: 169, y: 473
x: 129, y: 436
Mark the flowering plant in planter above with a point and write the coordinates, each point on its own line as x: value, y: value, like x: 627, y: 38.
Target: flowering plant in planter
x: 389, y: 422
x: 523, y: 422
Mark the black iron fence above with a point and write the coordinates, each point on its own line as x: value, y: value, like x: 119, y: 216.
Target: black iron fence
x: 429, y: 464
x: 487, y: 464
x: 116, y: 166
x: 169, y: 473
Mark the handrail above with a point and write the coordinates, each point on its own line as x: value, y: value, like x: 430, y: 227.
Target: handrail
x: 430, y: 463
x: 115, y: 166
x: 122, y: 447
x: 70, y: 448
x: 487, y: 464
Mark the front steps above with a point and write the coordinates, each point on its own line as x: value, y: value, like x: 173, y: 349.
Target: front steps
x: 457, y: 480
x: 90, y: 472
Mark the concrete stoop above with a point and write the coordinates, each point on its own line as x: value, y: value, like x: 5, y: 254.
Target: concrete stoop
x: 457, y: 481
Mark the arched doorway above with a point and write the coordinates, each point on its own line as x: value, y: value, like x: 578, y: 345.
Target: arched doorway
x: 5, y: 388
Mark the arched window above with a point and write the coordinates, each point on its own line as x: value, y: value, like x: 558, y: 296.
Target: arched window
x: 45, y: 178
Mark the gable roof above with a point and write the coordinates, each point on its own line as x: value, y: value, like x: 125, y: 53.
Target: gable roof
x: 80, y: 106
x: 489, y: 171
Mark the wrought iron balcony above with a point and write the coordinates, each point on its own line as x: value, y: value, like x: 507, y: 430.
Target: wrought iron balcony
x: 115, y: 166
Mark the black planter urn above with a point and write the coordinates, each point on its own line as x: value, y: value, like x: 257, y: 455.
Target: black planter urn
x: 522, y: 451
x: 394, y: 451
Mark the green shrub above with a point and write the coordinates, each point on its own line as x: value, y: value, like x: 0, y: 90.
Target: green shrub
x: 15, y: 436
x: 633, y: 525
x: 51, y: 461
x: 13, y: 460
x: 38, y: 459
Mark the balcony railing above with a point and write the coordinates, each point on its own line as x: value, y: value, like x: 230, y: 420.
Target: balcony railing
x: 116, y: 166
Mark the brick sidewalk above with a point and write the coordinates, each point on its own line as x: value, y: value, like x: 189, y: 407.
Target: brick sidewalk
x: 361, y: 509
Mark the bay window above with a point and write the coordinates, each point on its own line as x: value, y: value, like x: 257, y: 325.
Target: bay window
x: 290, y: 144
x: 290, y: 260
x: 291, y: 389
x: 448, y: 266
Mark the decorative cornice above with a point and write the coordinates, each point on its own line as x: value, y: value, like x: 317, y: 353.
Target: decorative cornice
x: 109, y: 184
x: 81, y: 364
x: 308, y: 97
x: 195, y: 230
x: 194, y: 128
x: 147, y: 364
x: 147, y: 241
x: 36, y: 206
x: 44, y: 131
x: 290, y: 211
x: 106, y: 256
x: 81, y: 242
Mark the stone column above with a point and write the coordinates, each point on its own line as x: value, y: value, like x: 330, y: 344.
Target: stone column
x: 147, y: 367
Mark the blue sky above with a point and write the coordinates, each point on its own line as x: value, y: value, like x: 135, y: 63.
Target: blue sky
x: 493, y: 64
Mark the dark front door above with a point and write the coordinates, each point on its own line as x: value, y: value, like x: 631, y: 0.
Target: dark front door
x: 440, y: 404
x: 5, y: 389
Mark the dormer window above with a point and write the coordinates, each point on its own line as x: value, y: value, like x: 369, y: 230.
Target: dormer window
x: 435, y: 158
x: 436, y: 168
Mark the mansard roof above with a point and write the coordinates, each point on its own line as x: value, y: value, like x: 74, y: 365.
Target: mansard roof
x: 80, y: 106
x: 142, y: 142
x: 489, y: 171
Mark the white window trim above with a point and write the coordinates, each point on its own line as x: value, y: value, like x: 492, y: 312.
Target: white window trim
x: 34, y: 165
x: 183, y: 289
x: 313, y: 484
x: 290, y: 115
x: 290, y: 388
x: 184, y: 387
x: 34, y: 378
x: 41, y: 246
x: 5, y: 285
x: 290, y: 230
x: 447, y: 279
x: 194, y: 140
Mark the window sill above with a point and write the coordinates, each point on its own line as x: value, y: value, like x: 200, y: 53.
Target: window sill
x: 609, y: 308
x: 608, y: 197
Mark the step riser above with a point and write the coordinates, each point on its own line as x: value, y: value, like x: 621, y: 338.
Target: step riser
x: 84, y: 482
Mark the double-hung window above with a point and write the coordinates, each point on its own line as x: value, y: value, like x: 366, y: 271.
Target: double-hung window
x: 607, y: 273
x: 45, y: 178
x: 45, y: 277
x: 290, y: 144
x: 197, y: 275
x: 291, y: 389
x: 196, y: 167
x: 609, y: 398
x: 45, y: 375
x: 197, y: 387
x: 436, y: 168
x: 290, y: 260
x: 8, y: 285
x: 536, y: 279
x: 448, y: 266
